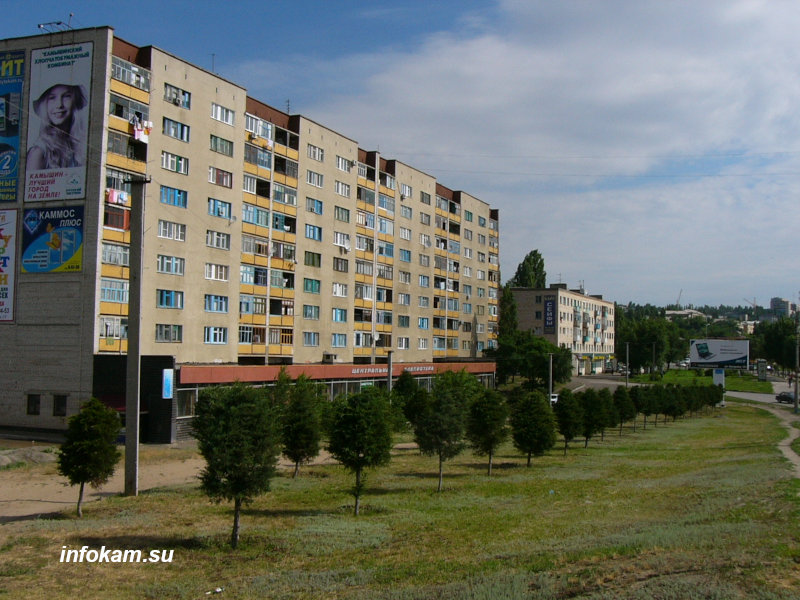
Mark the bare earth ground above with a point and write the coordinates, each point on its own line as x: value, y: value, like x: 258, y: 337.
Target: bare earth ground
x: 29, y: 492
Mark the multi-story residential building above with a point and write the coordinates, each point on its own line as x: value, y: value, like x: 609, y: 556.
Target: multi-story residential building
x: 267, y: 240
x: 569, y: 319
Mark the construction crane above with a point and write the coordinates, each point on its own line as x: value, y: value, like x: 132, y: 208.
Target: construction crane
x: 753, y: 303
x: 678, y: 301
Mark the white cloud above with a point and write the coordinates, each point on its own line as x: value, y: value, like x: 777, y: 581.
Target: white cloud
x: 642, y: 147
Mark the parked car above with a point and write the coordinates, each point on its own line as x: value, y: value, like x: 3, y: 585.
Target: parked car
x: 787, y: 397
x: 553, y: 399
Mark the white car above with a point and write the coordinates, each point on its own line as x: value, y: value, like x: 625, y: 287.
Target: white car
x: 553, y: 399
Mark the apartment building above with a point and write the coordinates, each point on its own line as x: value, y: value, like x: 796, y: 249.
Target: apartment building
x: 570, y: 319
x: 268, y: 240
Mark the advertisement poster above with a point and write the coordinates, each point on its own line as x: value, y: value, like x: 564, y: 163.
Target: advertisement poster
x: 12, y: 71
x: 52, y: 240
x: 58, y: 120
x: 8, y: 262
x: 550, y: 314
x: 711, y: 353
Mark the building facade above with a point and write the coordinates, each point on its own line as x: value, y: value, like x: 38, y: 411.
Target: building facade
x: 267, y: 238
x: 570, y: 319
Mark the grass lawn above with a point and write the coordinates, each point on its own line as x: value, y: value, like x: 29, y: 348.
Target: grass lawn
x: 735, y: 381
x: 705, y: 507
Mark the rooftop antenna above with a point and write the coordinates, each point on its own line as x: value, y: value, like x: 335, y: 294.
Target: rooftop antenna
x: 288, y: 106
x: 213, y: 57
x: 54, y: 26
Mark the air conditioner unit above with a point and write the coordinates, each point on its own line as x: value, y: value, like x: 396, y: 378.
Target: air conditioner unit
x: 176, y: 101
x: 287, y: 227
x: 347, y: 246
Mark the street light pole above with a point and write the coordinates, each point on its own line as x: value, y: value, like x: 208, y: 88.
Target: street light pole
x: 132, y: 375
x: 550, y: 392
x: 627, y: 361
x: 796, y: 358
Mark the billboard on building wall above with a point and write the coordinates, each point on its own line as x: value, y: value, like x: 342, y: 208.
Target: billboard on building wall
x: 58, y: 122
x: 8, y: 262
x: 549, y: 314
x: 708, y: 353
x: 12, y: 73
x: 52, y: 240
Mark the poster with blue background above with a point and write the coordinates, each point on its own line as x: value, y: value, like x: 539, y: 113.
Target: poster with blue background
x: 12, y: 72
x: 52, y: 240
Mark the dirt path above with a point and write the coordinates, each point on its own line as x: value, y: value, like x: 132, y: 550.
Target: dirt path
x: 30, y: 492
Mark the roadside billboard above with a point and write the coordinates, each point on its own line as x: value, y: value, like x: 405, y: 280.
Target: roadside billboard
x: 58, y: 122
x: 8, y: 262
x: 709, y: 353
x: 549, y: 314
x: 12, y: 72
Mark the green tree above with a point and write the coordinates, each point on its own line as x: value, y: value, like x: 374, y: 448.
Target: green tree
x: 238, y: 433
x: 89, y: 453
x: 534, y: 352
x: 361, y: 434
x: 608, y: 410
x: 624, y: 405
x: 302, y: 422
x: 506, y: 354
x: 439, y: 430
x: 593, y: 417
x: 569, y: 417
x: 533, y: 426
x: 530, y: 272
x: 487, y: 424
x: 778, y: 342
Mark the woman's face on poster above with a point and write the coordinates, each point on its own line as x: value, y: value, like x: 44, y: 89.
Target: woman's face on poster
x: 59, y: 104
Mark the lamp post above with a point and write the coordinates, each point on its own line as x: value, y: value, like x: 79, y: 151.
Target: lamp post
x: 627, y: 361
x: 134, y: 355
x: 550, y: 386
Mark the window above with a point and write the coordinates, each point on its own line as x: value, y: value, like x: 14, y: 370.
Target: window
x: 481, y: 239
x: 482, y: 221
x: 219, y: 208
x: 116, y: 217
x: 169, y: 299
x: 114, y: 327
x: 311, y: 286
x: 129, y: 73
x: 338, y: 340
x: 422, y: 343
x: 114, y: 290
x: 385, y: 271
x: 127, y: 109
x: 424, y: 197
x: 256, y: 155
x: 423, y: 323
x: 363, y: 291
x: 217, y: 272
x: 284, y: 195
x: 314, y: 233
x: 403, y: 320
x: 255, y: 215
x: 220, y: 177
x: 364, y: 267
x: 467, y: 271
x: 174, y: 196
x: 404, y: 299
x: 259, y: 128
x: 424, y: 260
x: 341, y: 214
x: 114, y: 254
x: 59, y: 405
x: 315, y: 152
x: 312, y: 259
x: 406, y: 212
x: 221, y: 145
x: 405, y: 233
x: 342, y: 189
x: 365, y: 219
x: 385, y: 226
x: 424, y: 218
x: 172, y: 265
x: 424, y: 302
x: 313, y: 205
x: 468, y: 215
x: 385, y: 249
x: 175, y: 163
x: 217, y: 239
x: 252, y: 305
x: 406, y: 191
x: 339, y: 315
x: 175, y: 129
x: 343, y: 164
x: 311, y: 312
x: 34, y: 402
x: 215, y: 303
x: 468, y: 234
x: 339, y: 290
x: 177, y: 96
x: 215, y: 335
x: 405, y: 255
x: 310, y: 338
x: 467, y: 252
x: 402, y: 343
x: 340, y: 264
x: 386, y: 202
x: 341, y: 239
x: 424, y: 281
x: 314, y: 179
x: 404, y: 277
x: 125, y: 145
x: 220, y: 113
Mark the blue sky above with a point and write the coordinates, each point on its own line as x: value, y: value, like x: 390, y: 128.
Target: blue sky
x: 646, y: 148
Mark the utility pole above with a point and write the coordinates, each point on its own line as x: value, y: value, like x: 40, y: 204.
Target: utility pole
x: 627, y: 361
x: 796, y: 358
x: 134, y: 354
x: 550, y: 391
